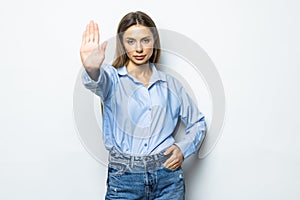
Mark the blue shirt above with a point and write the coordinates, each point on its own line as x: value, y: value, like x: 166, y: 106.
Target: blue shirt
x: 140, y: 121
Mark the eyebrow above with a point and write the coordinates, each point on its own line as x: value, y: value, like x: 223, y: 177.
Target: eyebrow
x: 130, y: 38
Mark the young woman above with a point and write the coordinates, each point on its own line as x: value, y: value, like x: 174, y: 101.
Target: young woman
x: 141, y: 107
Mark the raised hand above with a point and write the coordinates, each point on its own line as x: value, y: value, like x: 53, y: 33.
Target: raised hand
x: 91, y: 53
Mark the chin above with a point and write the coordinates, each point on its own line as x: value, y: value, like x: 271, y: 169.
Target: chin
x: 140, y: 62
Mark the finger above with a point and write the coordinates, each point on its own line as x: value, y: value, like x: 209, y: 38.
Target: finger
x: 169, y: 150
x: 169, y: 162
x: 91, y: 27
x: 103, y: 46
x: 83, y: 39
x: 172, y: 165
x: 101, y: 49
x: 176, y: 162
x: 87, y: 34
x: 96, y: 33
x: 175, y: 166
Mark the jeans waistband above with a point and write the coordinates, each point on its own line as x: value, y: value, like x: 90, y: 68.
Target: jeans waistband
x: 135, y: 163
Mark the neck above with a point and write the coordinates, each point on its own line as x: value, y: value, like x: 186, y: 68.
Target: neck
x: 139, y: 70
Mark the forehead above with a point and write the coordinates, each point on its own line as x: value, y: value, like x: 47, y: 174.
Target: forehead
x: 137, y: 31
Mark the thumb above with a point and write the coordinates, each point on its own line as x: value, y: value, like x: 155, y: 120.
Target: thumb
x: 169, y: 150
x: 103, y: 46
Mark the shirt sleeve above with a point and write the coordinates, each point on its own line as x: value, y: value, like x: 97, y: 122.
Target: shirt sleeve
x: 195, y: 125
x: 105, y: 83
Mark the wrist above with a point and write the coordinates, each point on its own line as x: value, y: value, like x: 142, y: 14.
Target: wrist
x: 93, y: 73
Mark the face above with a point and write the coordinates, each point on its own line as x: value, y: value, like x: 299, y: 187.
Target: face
x: 138, y: 42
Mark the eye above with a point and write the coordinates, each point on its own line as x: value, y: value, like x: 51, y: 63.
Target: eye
x: 146, y: 40
x: 130, y: 41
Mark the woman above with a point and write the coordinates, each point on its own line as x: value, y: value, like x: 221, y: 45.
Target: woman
x: 141, y: 107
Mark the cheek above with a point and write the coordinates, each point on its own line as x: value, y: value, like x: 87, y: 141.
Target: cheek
x: 149, y: 48
x: 129, y: 52
x: 149, y: 51
x: 128, y: 48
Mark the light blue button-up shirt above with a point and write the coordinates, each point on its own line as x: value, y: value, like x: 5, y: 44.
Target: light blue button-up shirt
x: 140, y: 121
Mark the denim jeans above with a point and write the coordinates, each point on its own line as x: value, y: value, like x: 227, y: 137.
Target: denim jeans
x: 143, y: 178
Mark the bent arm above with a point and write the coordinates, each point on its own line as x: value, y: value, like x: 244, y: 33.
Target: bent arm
x: 195, y: 125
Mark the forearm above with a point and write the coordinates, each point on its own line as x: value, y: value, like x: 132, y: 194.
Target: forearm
x: 194, y: 137
x: 93, y: 73
x: 103, y: 82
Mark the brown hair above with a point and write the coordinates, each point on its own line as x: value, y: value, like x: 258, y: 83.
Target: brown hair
x: 130, y: 19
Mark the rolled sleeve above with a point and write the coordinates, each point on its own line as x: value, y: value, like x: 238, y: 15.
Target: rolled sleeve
x: 88, y: 81
x: 193, y: 139
x: 103, y: 86
x: 195, y: 126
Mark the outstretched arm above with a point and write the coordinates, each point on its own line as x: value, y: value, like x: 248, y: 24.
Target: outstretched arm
x: 98, y: 77
x: 91, y: 53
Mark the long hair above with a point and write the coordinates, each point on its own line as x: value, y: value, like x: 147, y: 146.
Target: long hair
x: 130, y: 19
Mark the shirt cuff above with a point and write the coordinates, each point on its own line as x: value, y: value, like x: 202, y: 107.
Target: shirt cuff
x: 186, y: 148
x: 87, y: 80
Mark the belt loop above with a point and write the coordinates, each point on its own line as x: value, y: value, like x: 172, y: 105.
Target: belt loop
x: 109, y: 157
x: 131, y: 161
x: 156, y: 160
x: 155, y: 157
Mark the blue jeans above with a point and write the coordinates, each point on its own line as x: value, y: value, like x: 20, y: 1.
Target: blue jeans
x: 143, y: 178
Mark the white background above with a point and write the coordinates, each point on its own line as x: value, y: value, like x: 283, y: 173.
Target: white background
x: 254, y: 45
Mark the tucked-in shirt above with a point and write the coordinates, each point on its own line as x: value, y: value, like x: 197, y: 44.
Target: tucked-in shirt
x: 141, y: 120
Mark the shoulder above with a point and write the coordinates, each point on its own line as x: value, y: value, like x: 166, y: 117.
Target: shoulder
x: 110, y: 72
x: 170, y: 79
x: 109, y: 68
x: 173, y: 84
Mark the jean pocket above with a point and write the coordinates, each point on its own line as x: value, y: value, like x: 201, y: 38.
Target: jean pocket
x: 170, y: 170
x: 116, y: 169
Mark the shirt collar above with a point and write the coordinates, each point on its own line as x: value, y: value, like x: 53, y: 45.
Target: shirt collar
x: 156, y: 74
x: 122, y: 71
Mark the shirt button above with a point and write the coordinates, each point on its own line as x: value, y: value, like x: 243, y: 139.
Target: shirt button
x: 150, y: 109
x: 145, y: 144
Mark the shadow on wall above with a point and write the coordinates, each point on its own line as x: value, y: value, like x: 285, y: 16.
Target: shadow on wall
x: 194, y: 175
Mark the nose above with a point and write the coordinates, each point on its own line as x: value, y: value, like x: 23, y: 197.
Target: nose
x: 139, y: 47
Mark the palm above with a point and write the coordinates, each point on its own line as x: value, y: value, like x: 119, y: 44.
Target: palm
x: 92, y: 55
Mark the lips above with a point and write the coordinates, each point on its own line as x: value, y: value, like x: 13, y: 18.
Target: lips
x: 139, y: 57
